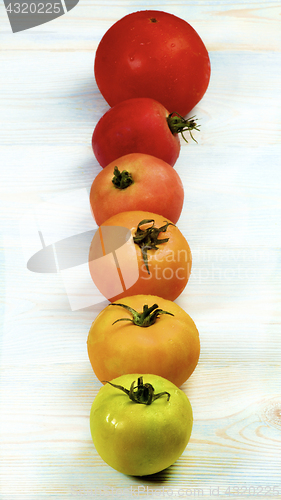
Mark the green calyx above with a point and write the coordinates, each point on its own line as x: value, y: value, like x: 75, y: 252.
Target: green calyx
x: 144, y: 319
x: 179, y: 125
x: 142, y: 393
x: 147, y: 239
x: 122, y: 180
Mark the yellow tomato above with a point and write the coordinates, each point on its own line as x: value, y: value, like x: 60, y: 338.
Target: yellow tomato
x: 146, y: 334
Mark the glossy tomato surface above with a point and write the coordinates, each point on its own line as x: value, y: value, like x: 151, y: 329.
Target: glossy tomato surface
x: 135, y: 126
x: 161, y: 339
x: 153, y: 54
x: 142, y: 182
x: 140, y: 439
x: 155, y: 259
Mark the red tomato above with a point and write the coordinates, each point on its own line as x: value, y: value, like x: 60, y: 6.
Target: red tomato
x: 137, y: 182
x: 139, y: 252
x: 139, y: 125
x: 153, y: 54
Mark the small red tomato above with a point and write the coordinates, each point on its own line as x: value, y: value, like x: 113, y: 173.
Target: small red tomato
x: 137, y: 182
x: 139, y: 125
x: 153, y: 54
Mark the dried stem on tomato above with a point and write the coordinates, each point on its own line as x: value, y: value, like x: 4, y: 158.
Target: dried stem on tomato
x: 179, y: 125
x: 146, y: 318
x: 142, y: 393
x: 122, y: 180
x: 147, y: 239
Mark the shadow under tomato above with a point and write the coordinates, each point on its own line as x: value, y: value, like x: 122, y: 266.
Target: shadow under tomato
x: 159, y: 477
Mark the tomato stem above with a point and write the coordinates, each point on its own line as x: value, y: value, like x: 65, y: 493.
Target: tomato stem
x: 142, y: 393
x: 146, y: 318
x: 178, y: 125
x: 147, y: 239
x: 122, y: 180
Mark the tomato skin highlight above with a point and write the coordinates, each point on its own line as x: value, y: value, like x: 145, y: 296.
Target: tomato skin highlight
x: 156, y: 187
x: 135, y: 126
x: 170, y: 265
x: 169, y: 348
x: 137, y: 439
x: 153, y: 54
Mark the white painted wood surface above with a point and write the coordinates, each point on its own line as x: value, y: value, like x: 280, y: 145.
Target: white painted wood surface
x: 231, y: 218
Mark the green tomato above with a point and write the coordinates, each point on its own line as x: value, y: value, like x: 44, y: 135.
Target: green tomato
x: 140, y: 424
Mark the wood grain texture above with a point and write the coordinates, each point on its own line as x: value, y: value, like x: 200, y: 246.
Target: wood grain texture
x: 231, y: 218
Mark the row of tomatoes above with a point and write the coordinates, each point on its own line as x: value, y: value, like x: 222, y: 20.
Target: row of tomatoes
x: 152, y: 68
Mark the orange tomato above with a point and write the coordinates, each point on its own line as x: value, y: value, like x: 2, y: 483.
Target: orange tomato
x: 137, y: 182
x: 139, y: 253
x: 146, y: 334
